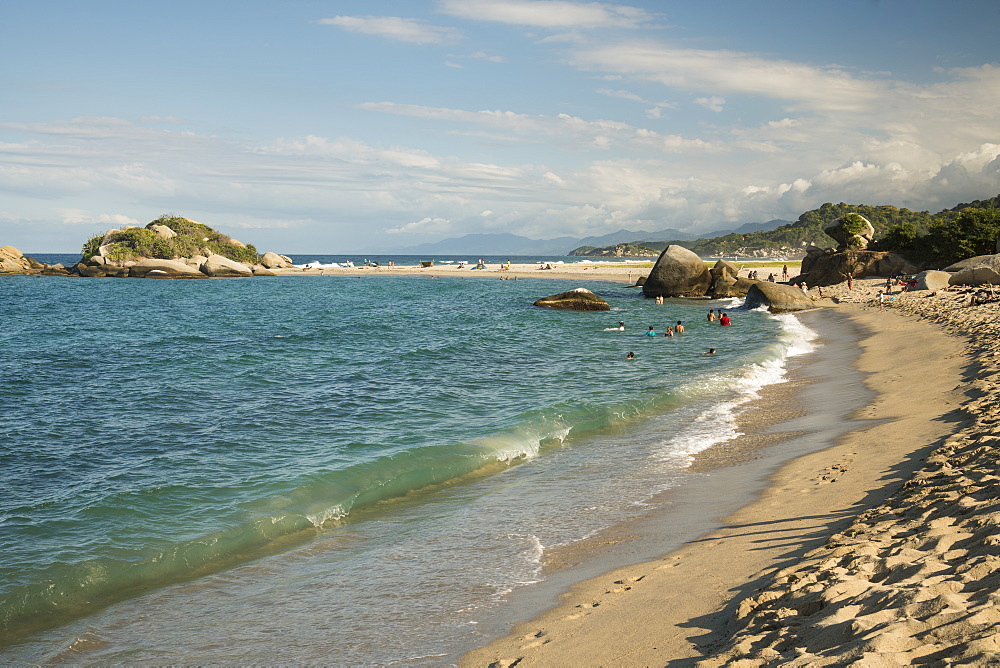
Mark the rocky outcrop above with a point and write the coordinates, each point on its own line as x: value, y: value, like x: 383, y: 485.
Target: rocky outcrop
x: 777, y: 297
x: 829, y: 267
x: 932, y: 280
x: 851, y: 231
x: 218, y: 266
x: 580, y: 299
x: 13, y: 261
x: 726, y: 281
x: 678, y: 272
x: 163, y: 231
x: 261, y: 270
x: 272, y: 260
x: 986, y: 270
x: 157, y: 268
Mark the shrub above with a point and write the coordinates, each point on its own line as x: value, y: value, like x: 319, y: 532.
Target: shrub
x: 853, y: 223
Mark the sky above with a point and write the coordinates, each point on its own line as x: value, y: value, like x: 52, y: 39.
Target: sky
x: 344, y: 126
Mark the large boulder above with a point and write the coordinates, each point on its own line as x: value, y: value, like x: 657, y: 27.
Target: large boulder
x: 12, y: 261
x: 830, y: 267
x: 725, y: 287
x: 261, y: 270
x: 163, y: 269
x: 777, y: 297
x: 852, y: 231
x: 580, y: 299
x: 219, y: 266
x: 932, y: 280
x: 272, y: 260
x: 968, y: 263
x: 163, y: 231
x: 678, y: 272
x: 985, y: 271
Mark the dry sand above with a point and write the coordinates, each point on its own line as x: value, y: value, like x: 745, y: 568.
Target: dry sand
x: 906, y: 510
x: 582, y: 270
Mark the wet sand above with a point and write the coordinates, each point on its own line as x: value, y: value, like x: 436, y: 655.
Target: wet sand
x: 799, y: 574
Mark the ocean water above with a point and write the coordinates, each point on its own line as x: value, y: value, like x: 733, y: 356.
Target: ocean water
x: 352, y: 470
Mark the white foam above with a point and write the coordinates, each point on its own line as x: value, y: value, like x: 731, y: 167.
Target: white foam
x: 717, y: 423
x: 334, y: 513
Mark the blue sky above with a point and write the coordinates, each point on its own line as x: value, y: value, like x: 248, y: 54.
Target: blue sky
x: 343, y: 126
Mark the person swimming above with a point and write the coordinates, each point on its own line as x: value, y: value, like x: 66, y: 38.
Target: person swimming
x: 630, y: 356
x: 651, y: 332
x: 621, y: 325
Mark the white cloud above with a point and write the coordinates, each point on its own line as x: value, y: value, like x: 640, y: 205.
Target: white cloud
x: 601, y: 134
x: 713, y: 103
x: 829, y: 89
x: 397, y: 28
x: 82, y: 217
x: 423, y: 226
x: 480, y: 55
x: 547, y: 13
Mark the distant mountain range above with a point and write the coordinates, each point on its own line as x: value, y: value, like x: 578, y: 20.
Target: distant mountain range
x: 512, y: 244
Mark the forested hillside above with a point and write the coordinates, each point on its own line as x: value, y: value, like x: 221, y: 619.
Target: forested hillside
x: 791, y: 240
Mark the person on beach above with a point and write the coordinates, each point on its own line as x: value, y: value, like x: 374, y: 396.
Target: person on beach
x: 669, y: 332
x: 850, y: 281
x: 711, y: 315
x: 679, y: 328
x: 724, y: 320
x: 651, y: 332
x: 630, y: 356
x: 881, y: 300
x: 770, y: 277
x: 784, y: 273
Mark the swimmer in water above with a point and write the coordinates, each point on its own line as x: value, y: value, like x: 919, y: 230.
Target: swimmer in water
x: 711, y: 351
x: 621, y: 325
x: 651, y: 332
x: 630, y: 356
x: 679, y: 328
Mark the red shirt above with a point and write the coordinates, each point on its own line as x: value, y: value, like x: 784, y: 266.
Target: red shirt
x: 724, y: 321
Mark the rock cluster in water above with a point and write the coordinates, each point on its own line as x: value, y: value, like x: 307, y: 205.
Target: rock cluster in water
x: 580, y: 299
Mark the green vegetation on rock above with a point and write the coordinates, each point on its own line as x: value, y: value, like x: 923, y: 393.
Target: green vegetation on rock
x: 132, y: 243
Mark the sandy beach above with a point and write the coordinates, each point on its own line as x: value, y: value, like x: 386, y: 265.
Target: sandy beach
x: 610, y: 271
x: 882, y: 549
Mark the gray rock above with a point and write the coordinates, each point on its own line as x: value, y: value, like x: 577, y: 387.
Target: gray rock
x: 968, y: 263
x: 274, y: 261
x: 678, y: 272
x: 985, y: 270
x: 832, y: 268
x: 218, y: 266
x: 12, y: 261
x: 932, y: 280
x: 580, y: 299
x: 163, y: 231
x: 168, y: 268
x: 778, y: 297
x: 848, y: 240
x: 260, y: 270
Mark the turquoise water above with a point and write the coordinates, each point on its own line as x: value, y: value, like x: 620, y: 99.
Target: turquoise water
x: 330, y: 469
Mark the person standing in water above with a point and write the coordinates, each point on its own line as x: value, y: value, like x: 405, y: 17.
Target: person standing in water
x: 711, y: 315
x: 724, y: 320
x: 651, y: 332
x: 679, y: 329
x: 621, y: 325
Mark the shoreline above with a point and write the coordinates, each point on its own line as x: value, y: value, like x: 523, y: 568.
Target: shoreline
x: 683, y: 606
